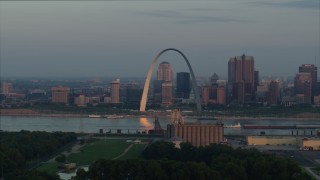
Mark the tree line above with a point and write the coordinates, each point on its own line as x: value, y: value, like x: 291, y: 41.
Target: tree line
x: 21, y: 150
x: 163, y: 161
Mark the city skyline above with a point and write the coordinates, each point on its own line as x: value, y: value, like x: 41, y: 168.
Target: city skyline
x: 113, y: 37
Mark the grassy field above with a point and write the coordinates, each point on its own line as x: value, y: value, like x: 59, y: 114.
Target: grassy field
x: 134, y: 152
x: 106, y: 149
x: 51, y: 168
x: 316, y: 170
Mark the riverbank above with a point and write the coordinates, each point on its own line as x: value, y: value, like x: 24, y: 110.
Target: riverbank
x: 30, y: 112
x: 298, y: 117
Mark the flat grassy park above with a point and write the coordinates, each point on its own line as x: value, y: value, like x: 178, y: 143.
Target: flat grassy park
x: 106, y: 149
x: 134, y: 152
x: 99, y: 148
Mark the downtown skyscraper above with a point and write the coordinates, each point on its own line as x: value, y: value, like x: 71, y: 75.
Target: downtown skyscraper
x: 313, y: 71
x: 115, y: 91
x: 60, y: 94
x: 165, y: 72
x: 165, y: 78
x: 183, y: 85
x: 241, y: 78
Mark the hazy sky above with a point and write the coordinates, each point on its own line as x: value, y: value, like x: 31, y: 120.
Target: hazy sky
x: 121, y: 38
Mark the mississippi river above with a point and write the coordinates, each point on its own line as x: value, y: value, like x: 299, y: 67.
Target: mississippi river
x: 141, y: 124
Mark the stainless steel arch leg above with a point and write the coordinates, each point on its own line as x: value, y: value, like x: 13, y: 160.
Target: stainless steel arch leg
x: 144, y: 97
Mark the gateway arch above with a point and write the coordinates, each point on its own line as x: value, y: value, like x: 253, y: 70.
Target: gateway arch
x: 144, y: 97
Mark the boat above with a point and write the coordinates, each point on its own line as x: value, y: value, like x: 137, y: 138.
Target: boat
x: 94, y: 116
x: 115, y: 117
x: 238, y: 125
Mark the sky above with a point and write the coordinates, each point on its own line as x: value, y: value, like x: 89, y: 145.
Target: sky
x: 121, y: 38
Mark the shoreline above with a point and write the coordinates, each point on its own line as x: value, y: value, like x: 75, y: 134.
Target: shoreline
x: 149, y: 116
x: 32, y: 113
x: 270, y: 118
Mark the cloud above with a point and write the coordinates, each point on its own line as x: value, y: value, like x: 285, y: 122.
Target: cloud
x: 311, y: 4
x: 184, y: 18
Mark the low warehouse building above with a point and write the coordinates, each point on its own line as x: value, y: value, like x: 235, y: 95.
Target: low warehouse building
x: 310, y: 144
x: 303, y: 143
x: 272, y: 140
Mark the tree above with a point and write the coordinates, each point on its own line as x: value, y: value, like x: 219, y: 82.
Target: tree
x: 81, y: 174
x: 61, y: 158
x: 160, y: 150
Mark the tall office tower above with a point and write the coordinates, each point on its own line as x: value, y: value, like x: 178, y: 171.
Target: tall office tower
x: 308, y: 98
x: 157, y: 91
x: 213, y: 79
x: 213, y: 93
x: 256, y: 80
x: 313, y: 70
x: 241, y: 77
x: 318, y: 88
x: 6, y: 88
x: 115, y: 91
x: 303, y: 87
x: 310, y: 68
x: 262, y: 91
x: 133, y: 95
x: 60, y: 94
x: 183, y: 85
x: 240, y: 91
x: 206, y: 95
x: 165, y: 72
x: 221, y: 95
x: 167, y: 93
x: 273, y: 95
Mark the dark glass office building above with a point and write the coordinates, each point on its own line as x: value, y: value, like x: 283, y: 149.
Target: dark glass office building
x: 183, y: 85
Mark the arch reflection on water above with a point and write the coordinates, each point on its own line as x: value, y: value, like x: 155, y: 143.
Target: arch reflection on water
x: 145, y: 124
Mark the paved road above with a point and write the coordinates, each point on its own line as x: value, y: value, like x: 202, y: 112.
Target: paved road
x: 313, y: 174
x: 74, y: 149
x: 124, y: 152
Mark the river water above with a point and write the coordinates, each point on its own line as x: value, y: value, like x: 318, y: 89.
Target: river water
x: 140, y: 124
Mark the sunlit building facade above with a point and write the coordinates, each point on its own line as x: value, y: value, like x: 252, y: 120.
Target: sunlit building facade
x: 115, y: 91
x: 165, y: 72
x: 196, y: 133
x: 167, y: 94
x: 206, y: 95
x: 313, y: 70
x: 6, y: 88
x: 81, y: 100
x: 241, y: 76
x: 303, y: 87
x: 60, y: 94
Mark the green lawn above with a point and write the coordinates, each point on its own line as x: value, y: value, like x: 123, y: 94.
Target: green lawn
x: 316, y: 170
x: 51, y: 168
x: 134, y: 152
x: 106, y: 149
